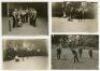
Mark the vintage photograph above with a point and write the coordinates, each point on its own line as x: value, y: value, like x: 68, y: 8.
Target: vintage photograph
x: 25, y: 18
x: 25, y: 54
x: 79, y: 52
x: 74, y: 16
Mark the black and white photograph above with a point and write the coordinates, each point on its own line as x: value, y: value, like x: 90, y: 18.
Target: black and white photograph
x: 74, y: 16
x: 49, y: 35
x: 25, y: 54
x: 78, y: 52
x: 25, y: 18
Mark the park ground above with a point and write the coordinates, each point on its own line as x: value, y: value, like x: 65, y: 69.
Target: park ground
x: 30, y: 63
x: 26, y: 28
x: 60, y: 24
x: 66, y: 61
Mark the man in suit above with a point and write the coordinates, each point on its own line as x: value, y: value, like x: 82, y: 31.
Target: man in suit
x: 33, y: 17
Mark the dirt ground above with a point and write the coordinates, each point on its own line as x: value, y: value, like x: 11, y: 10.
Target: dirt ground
x: 26, y: 28
x: 31, y: 63
x: 60, y: 24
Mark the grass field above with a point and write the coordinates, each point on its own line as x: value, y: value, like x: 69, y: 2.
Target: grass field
x: 66, y: 61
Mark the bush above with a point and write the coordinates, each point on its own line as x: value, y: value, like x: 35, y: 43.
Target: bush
x: 8, y: 54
